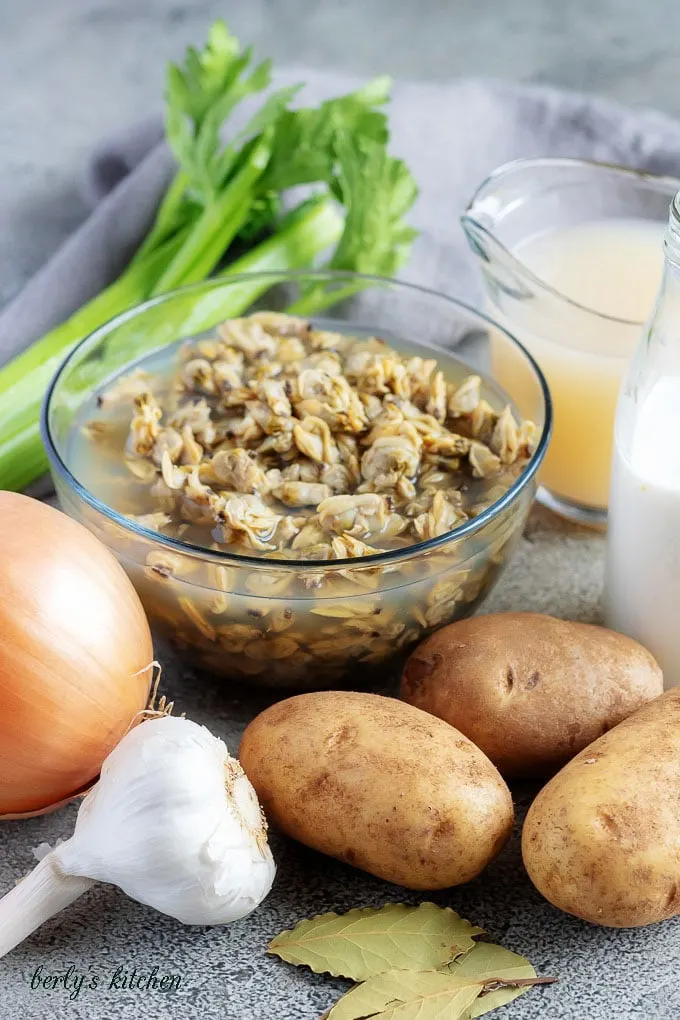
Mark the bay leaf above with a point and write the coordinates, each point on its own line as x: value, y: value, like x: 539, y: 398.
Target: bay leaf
x: 487, y: 961
x: 407, y: 995
x: 367, y: 941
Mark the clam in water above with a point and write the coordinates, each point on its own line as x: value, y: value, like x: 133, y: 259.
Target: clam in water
x: 310, y: 453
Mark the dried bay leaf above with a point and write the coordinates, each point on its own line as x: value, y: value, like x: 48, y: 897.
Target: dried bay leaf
x: 454, y: 992
x: 414, y: 963
x: 487, y: 961
x: 407, y: 995
x: 367, y: 941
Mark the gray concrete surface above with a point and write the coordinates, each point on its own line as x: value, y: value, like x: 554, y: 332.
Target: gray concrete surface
x: 70, y: 72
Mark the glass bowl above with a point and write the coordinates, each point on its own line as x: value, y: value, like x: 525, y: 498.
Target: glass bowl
x: 290, y: 623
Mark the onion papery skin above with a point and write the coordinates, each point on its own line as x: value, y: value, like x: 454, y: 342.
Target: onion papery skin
x: 17, y: 816
x: 75, y: 656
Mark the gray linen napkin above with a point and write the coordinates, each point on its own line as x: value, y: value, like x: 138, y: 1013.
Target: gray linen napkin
x: 451, y: 135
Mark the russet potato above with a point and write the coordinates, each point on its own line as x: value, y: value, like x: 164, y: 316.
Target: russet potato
x: 530, y: 690
x: 602, y: 839
x: 378, y: 784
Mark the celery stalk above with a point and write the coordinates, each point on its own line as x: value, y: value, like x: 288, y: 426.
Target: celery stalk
x: 166, y: 220
x: 217, y: 226
x: 306, y: 233
x: 24, y: 458
x: 129, y: 289
x: 320, y: 297
x: 24, y: 381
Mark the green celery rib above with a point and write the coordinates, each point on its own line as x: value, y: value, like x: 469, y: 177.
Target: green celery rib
x: 24, y: 381
x: 217, y: 226
x: 22, y: 457
x: 166, y: 219
x: 307, y: 232
x: 320, y: 297
x: 128, y: 290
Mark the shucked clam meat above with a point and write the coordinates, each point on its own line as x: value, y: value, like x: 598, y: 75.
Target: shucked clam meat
x: 277, y: 440
x: 271, y: 427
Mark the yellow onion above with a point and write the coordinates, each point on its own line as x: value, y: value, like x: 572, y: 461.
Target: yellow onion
x: 75, y: 656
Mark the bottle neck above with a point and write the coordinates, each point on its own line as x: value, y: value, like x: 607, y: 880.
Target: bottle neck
x: 658, y: 353
x: 668, y: 299
x: 663, y: 333
x: 671, y: 244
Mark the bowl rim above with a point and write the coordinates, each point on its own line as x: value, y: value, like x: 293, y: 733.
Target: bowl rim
x: 469, y: 527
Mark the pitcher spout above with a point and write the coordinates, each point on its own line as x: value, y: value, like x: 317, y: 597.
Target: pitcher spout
x: 528, y: 197
x: 500, y: 268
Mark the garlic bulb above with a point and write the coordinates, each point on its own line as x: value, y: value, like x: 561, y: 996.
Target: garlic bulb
x: 173, y: 821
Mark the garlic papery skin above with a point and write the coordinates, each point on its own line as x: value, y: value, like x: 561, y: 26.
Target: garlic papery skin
x: 173, y: 821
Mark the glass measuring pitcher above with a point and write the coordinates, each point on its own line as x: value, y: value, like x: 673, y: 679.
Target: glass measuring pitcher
x: 571, y: 255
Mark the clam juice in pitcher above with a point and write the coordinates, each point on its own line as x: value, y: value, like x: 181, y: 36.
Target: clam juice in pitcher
x: 642, y: 583
x: 571, y: 257
x: 610, y: 270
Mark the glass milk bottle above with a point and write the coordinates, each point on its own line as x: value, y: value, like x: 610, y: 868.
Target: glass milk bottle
x: 642, y: 580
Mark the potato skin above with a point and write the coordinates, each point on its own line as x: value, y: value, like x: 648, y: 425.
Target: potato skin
x: 530, y: 690
x: 602, y: 839
x: 378, y: 784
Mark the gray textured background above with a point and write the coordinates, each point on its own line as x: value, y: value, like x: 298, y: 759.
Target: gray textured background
x: 72, y: 71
